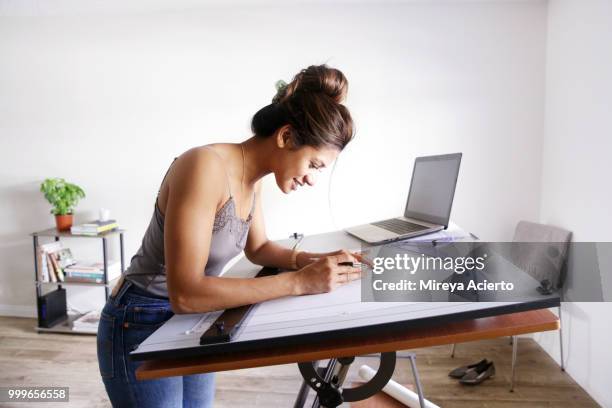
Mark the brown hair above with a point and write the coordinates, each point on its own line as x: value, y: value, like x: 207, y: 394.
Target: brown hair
x: 312, y: 104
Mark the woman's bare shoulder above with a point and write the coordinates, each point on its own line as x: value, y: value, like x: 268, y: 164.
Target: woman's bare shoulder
x: 200, y: 161
x: 197, y: 171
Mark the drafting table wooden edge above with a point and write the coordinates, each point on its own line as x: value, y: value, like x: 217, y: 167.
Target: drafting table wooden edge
x: 467, y: 330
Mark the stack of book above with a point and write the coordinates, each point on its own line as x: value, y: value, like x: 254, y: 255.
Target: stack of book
x: 87, y: 323
x: 56, y: 264
x: 94, y: 228
x: 91, y: 272
x: 52, y: 258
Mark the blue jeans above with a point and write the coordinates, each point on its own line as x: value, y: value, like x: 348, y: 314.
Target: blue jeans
x: 128, y: 319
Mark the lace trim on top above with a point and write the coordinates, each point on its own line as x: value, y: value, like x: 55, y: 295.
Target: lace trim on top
x: 223, y: 214
x: 227, y: 215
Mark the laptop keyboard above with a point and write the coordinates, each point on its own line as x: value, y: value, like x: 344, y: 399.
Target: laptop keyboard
x: 399, y: 226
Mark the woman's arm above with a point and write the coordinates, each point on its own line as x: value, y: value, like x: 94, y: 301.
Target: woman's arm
x: 261, y: 251
x: 196, y: 186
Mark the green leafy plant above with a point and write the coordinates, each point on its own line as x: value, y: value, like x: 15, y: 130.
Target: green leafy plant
x: 61, y: 195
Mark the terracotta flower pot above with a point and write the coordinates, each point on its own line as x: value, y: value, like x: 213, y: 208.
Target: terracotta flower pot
x: 63, y: 222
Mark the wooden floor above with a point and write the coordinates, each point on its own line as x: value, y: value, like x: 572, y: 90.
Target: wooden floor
x: 29, y: 358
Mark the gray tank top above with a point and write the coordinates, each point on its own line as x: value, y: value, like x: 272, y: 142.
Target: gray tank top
x: 147, y: 268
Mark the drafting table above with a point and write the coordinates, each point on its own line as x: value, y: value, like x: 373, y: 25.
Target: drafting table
x: 337, y: 324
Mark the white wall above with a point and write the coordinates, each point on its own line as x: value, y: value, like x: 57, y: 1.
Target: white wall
x: 576, y: 190
x: 107, y: 99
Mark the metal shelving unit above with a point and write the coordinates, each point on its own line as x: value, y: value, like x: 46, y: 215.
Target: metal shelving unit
x: 66, y: 325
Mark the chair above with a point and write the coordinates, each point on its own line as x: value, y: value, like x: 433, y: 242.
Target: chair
x: 541, y: 262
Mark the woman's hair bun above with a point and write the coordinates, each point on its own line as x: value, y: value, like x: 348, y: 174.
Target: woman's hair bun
x: 312, y: 105
x: 315, y: 79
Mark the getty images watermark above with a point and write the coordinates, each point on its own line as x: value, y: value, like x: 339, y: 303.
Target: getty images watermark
x: 485, y: 271
x: 412, y: 264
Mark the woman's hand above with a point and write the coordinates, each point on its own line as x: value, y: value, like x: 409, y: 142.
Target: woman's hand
x: 304, y: 259
x: 326, y: 274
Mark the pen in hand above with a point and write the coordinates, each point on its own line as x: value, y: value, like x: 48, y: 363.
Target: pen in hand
x: 344, y: 263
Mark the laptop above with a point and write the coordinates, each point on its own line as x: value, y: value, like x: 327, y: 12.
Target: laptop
x: 429, y: 203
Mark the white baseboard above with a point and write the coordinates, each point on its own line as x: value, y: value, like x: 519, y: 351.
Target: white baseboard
x: 17, y: 311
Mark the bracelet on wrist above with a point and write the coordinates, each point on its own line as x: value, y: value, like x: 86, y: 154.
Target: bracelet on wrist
x: 294, y: 255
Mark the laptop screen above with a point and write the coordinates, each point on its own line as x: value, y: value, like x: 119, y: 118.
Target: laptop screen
x: 432, y: 188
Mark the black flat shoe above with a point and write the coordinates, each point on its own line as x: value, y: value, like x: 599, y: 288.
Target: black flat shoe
x: 459, y: 372
x: 478, y: 375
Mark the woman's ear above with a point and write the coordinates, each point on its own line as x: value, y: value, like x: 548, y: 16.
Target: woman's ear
x: 283, y: 137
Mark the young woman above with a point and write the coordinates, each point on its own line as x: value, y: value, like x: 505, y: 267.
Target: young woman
x: 207, y: 211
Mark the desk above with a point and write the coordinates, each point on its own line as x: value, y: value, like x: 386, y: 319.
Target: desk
x: 467, y: 325
x: 513, y: 324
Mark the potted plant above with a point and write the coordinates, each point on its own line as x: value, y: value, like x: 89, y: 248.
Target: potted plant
x: 63, y: 197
